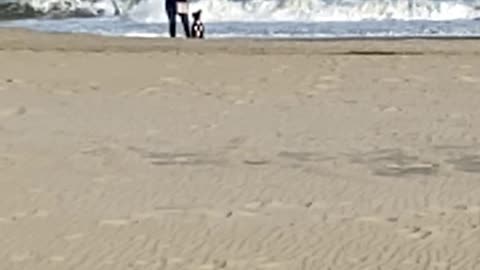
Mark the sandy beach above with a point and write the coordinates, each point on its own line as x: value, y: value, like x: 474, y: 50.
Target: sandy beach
x: 121, y: 153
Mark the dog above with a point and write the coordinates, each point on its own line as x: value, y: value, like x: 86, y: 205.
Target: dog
x: 198, y: 29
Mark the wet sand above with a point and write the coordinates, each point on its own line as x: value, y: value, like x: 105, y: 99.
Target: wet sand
x: 238, y: 154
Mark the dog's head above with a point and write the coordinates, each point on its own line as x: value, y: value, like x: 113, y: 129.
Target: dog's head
x: 196, y: 15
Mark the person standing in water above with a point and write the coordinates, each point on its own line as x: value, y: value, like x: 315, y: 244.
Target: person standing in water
x: 180, y: 7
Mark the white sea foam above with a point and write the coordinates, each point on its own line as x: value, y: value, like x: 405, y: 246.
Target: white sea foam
x: 315, y: 10
x: 274, y: 18
x: 152, y: 11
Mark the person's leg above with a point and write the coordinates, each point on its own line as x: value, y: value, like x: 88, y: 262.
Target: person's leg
x: 186, y: 25
x: 172, y: 22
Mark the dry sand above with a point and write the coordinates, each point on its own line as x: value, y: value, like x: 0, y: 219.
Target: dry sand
x: 239, y: 154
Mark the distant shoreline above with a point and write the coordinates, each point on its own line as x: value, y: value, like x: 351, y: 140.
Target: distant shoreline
x: 286, y: 39
x: 13, y: 38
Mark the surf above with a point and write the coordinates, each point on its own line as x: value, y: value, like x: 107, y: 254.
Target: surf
x: 152, y: 11
x: 316, y: 10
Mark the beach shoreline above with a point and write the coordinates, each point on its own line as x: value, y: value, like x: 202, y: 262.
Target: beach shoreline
x: 22, y: 39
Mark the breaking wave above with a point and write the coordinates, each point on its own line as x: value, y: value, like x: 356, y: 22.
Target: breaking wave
x: 152, y: 11
x: 316, y: 10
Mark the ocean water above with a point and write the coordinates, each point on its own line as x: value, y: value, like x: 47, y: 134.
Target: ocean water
x: 260, y: 18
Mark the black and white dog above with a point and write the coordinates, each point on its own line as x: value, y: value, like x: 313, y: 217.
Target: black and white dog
x: 198, y: 29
